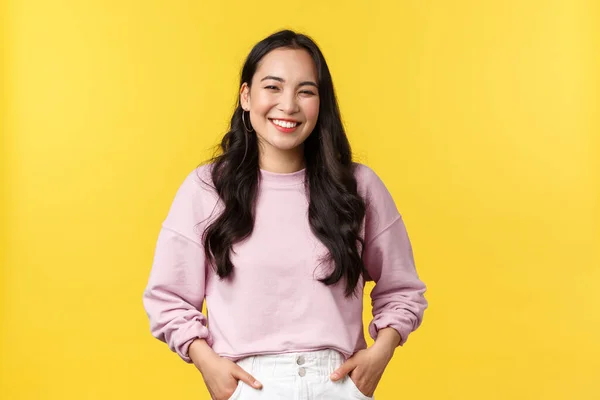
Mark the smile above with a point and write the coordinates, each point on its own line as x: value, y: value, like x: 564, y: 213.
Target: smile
x: 285, y: 124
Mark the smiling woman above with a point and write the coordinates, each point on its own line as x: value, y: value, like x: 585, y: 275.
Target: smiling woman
x: 283, y: 105
x: 278, y: 234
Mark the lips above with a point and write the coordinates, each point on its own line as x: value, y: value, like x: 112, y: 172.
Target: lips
x: 285, y: 125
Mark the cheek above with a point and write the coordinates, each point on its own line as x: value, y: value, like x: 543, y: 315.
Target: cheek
x: 311, y: 110
x: 261, y: 104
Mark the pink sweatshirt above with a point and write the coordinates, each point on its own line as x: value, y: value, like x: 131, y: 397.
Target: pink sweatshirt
x: 274, y: 303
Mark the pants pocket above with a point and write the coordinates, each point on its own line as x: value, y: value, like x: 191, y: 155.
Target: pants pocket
x: 236, y: 393
x: 356, y: 391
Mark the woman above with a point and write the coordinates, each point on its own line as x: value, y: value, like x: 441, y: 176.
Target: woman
x: 279, y: 234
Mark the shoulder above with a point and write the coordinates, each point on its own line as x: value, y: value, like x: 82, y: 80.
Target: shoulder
x: 380, y: 205
x: 198, y: 182
x: 369, y: 183
x: 194, y: 198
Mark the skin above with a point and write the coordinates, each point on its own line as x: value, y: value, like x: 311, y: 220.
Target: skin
x: 366, y: 366
x: 285, y: 87
x: 220, y: 374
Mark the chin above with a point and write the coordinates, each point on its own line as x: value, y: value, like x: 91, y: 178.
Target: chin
x: 284, y: 142
x: 283, y: 147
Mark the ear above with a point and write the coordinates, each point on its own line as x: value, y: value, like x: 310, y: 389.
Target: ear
x: 245, y: 97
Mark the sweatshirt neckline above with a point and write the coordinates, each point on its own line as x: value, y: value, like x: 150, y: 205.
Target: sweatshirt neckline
x: 284, y: 179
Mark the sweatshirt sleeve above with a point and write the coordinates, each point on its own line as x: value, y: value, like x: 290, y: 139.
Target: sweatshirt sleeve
x: 175, y: 290
x: 398, y: 296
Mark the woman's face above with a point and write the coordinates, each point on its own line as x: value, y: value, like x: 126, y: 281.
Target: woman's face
x: 283, y: 101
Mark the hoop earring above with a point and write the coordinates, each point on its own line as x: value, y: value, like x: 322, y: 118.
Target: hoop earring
x: 244, y: 122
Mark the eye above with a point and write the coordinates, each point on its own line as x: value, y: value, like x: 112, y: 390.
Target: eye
x: 271, y: 87
x: 308, y: 92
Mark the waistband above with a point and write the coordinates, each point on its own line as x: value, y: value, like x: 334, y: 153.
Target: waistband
x: 320, y: 363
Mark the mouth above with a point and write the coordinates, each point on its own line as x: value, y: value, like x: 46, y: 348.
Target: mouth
x: 285, y: 125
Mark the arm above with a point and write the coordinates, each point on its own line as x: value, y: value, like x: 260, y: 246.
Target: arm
x: 174, y: 294
x: 398, y: 296
x: 387, y: 341
x: 398, y: 300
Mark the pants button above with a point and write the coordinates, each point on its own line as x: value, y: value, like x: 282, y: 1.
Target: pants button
x: 301, y: 371
x: 300, y: 360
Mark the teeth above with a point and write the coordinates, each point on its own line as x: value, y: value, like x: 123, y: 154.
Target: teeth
x: 285, y: 124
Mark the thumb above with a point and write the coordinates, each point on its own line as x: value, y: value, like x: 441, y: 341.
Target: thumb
x: 343, y: 370
x: 245, y: 377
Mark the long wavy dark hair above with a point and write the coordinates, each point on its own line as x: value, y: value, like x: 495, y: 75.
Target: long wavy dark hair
x: 336, y: 210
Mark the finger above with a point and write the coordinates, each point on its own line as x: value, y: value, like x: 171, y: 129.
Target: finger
x: 245, y: 377
x: 343, y: 370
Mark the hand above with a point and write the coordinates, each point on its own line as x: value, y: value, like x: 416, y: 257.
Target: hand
x: 366, y: 367
x: 220, y: 374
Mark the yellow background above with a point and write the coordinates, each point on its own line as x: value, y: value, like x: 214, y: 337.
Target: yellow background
x: 480, y: 116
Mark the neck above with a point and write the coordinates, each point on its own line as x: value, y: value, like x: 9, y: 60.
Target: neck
x: 282, y: 163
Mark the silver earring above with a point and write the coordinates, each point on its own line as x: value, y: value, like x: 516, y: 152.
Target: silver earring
x: 244, y: 122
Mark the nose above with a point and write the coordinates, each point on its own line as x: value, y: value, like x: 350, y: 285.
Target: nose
x: 288, y: 103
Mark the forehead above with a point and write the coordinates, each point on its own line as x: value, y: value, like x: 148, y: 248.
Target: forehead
x: 289, y: 64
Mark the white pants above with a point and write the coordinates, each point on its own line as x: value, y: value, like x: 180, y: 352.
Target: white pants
x: 296, y: 376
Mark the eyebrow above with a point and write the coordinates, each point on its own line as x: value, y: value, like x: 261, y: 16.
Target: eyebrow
x: 276, y: 78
